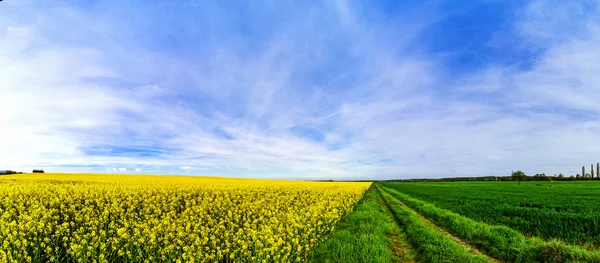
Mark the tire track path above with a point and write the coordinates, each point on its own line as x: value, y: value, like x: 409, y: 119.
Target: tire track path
x: 403, y: 251
x: 472, y: 250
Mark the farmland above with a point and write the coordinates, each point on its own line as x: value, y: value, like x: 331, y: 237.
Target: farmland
x: 470, y: 222
x: 569, y: 211
x: 127, y: 218
x: 497, y: 221
x: 116, y: 218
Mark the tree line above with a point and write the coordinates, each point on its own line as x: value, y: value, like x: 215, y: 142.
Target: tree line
x: 15, y: 172
x: 515, y: 176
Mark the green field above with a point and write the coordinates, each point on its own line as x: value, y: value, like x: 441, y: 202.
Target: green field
x: 470, y: 222
x: 569, y: 211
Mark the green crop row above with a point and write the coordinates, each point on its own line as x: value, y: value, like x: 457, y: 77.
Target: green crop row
x: 367, y: 224
x: 569, y: 211
x: 433, y: 246
x: 497, y: 241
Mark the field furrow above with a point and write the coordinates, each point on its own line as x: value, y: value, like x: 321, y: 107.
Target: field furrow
x: 368, y: 234
x: 401, y: 247
x: 467, y: 246
x: 497, y: 241
x: 563, y: 210
x: 432, y: 244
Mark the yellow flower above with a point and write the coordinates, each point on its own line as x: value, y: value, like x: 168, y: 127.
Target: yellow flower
x: 109, y: 218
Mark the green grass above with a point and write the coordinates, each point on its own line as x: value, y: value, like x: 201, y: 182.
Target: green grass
x: 530, y: 222
x: 568, y: 211
x: 365, y: 235
x: 497, y: 241
x: 432, y: 245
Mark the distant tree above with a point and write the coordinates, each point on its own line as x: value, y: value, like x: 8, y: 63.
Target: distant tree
x: 38, y: 171
x: 518, y: 176
x: 561, y: 176
x: 541, y: 176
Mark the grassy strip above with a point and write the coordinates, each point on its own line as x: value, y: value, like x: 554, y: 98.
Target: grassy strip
x: 568, y: 211
x: 402, y: 248
x: 498, y: 241
x: 365, y: 235
x: 432, y: 245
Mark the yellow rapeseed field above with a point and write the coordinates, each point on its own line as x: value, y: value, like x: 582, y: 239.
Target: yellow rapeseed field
x: 117, y: 218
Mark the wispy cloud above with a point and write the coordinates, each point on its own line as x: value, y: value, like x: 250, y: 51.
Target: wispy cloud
x: 338, y: 89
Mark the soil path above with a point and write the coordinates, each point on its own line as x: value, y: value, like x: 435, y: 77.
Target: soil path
x: 401, y: 247
x: 466, y: 245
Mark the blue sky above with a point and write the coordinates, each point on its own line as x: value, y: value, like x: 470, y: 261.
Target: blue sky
x: 303, y: 90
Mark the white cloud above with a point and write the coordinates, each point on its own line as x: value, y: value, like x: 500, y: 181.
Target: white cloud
x: 380, y: 112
